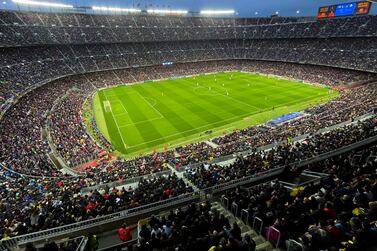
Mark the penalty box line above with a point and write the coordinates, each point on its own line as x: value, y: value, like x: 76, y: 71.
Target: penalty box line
x: 116, y: 123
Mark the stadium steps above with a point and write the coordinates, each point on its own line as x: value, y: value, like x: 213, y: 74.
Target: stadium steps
x: 260, y: 241
x: 211, y: 144
x: 181, y: 176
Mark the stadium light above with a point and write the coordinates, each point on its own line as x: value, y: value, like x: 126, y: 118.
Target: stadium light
x: 45, y: 4
x: 173, y: 12
x: 115, y: 9
x: 217, y: 12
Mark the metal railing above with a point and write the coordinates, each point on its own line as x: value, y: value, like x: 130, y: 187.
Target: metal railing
x: 125, y: 182
x: 225, y: 202
x: 273, y: 236
x: 293, y: 245
x: 258, y: 225
x: 244, y: 215
x: 239, y: 182
x: 234, y: 209
x: 6, y: 245
x: 91, y: 223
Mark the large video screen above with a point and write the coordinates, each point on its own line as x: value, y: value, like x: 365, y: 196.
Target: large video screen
x: 346, y: 9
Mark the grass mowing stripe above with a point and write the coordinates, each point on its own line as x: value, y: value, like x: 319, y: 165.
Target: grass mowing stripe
x: 188, y: 113
x: 134, y: 102
x: 175, y: 119
x: 217, y: 100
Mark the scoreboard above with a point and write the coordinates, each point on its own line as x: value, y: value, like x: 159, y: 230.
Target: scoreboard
x: 346, y: 9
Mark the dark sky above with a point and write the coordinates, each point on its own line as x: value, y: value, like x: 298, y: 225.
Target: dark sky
x: 242, y: 7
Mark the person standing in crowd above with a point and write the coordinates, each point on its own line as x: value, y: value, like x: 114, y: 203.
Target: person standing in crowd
x: 92, y: 243
x: 124, y: 233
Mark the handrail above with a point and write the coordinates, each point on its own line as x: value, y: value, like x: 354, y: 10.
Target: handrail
x: 255, y: 220
x: 245, y: 212
x: 225, y: 202
x: 6, y: 245
x: 234, y: 209
x: 272, y: 231
x: 294, y: 246
x: 82, y: 244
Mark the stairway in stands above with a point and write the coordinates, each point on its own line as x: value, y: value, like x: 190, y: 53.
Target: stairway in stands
x: 261, y: 242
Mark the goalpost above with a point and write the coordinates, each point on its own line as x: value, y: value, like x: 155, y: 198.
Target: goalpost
x: 107, y: 106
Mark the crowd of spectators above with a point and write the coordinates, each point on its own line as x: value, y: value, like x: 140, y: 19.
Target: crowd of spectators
x: 24, y: 199
x: 362, y: 99
x: 72, y: 141
x: 22, y: 211
x: 275, y: 39
x: 339, y: 213
x: 205, y: 176
x: 44, y: 190
x: 195, y: 227
x: 68, y: 132
x: 25, y: 28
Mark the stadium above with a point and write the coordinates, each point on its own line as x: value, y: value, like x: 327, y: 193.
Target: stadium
x: 149, y: 126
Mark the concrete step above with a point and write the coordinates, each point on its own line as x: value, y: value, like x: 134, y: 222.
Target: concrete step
x: 252, y: 233
x: 259, y: 240
x: 264, y: 246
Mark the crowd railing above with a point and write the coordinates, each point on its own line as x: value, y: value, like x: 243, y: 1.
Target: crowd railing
x: 293, y: 245
x: 124, y: 182
x: 257, y: 225
x: 273, y: 236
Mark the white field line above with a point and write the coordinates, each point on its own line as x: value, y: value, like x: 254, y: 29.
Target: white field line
x: 124, y: 108
x: 154, y: 108
x: 140, y: 122
x: 127, y: 113
x: 116, y: 123
x: 240, y: 116
x: 121, y: 114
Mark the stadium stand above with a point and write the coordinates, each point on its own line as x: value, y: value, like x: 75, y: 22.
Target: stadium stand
x: 53, y: 62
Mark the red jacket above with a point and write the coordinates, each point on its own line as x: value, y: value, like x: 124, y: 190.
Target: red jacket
x: 125, y: 234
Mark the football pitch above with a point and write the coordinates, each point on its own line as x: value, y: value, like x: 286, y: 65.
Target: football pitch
x: 141, y: 118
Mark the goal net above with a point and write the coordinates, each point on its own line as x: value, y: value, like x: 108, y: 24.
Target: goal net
x: 107, y: 106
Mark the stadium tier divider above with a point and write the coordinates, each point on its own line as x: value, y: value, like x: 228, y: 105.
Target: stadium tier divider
x: 125, y: 182
x: 70, y: 229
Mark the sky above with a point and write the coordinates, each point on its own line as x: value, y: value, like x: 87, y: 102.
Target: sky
x: 243, y: 8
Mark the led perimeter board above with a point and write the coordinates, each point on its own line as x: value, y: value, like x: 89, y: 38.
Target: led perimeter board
x: 346, y: 9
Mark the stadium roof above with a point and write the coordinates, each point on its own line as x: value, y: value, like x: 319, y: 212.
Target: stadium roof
x: 251, y: 8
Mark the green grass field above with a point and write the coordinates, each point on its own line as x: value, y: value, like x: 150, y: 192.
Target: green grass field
x: 163, y: 114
